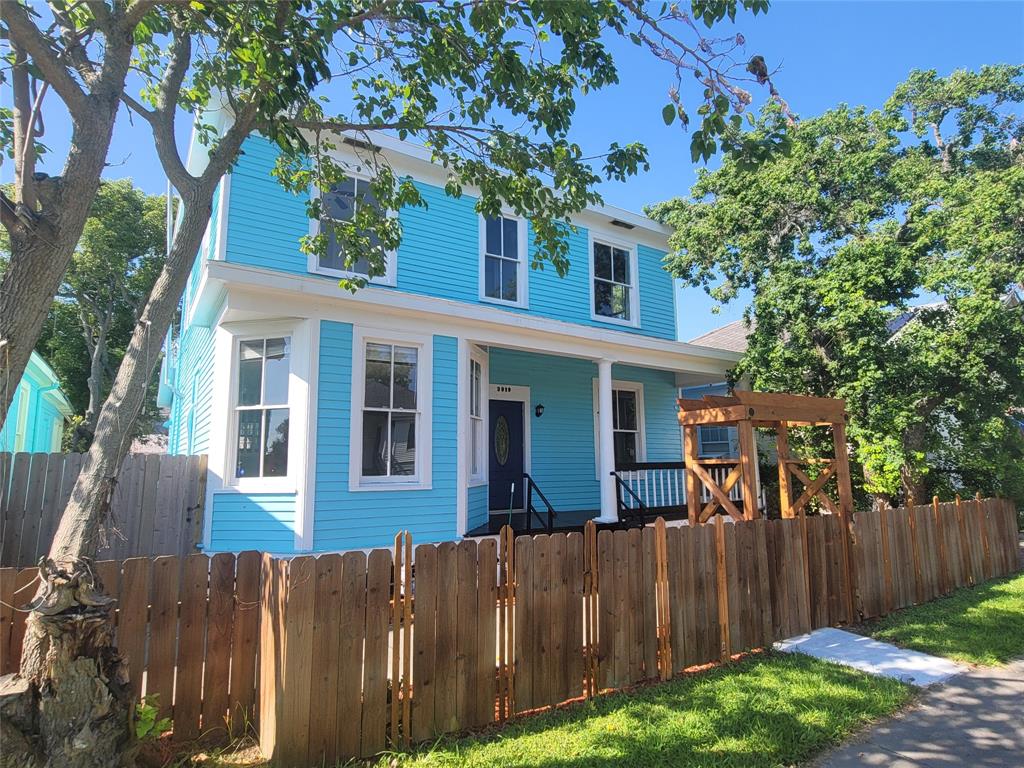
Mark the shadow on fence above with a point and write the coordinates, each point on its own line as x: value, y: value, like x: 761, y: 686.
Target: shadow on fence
x: 344, y: 655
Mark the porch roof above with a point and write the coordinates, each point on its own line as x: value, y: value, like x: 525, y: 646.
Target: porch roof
x: 248, y: 289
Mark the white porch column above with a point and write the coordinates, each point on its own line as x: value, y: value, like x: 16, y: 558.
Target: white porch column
x: 606, y: 464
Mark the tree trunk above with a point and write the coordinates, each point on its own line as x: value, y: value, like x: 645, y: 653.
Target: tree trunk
x: 81, y: 702
x: 915, y: 491
x: 40, y: 253
x: 97, y: 368
x: 70, y: 704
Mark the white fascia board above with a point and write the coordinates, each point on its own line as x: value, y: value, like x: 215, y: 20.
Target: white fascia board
x: 256, y: 292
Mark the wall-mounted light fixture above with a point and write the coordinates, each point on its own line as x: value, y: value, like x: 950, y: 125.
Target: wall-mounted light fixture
x: 539, y: 411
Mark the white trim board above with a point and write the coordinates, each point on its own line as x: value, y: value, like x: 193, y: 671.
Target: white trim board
x: 250, y: 288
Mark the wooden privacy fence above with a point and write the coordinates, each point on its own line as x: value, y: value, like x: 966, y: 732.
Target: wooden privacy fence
x: 157, y: 508
x: 344, y: 655
x: 188, y: 627
x: 361, y: 652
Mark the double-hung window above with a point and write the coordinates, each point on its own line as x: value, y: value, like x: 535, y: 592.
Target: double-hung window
x: 476, y: 420
x: 625, y: 426
x: 261, y: 407
x: 503, y: 268
x: 390, y: 411
x: 614, y: 283
x: 340, y: 205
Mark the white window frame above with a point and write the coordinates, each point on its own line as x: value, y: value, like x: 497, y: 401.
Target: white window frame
x: 421, y: 480
x: 478, y: 357
x: 641, y: 421
x: 297, y: 410
x: 390, y: 276
x: 522, y: 274
x: 634, y: 273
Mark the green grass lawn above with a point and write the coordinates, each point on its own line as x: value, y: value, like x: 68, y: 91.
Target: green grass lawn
x: 981, y: 625
x: 767, y: 710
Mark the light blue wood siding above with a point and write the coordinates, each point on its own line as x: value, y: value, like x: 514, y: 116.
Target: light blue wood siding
x: 263, y: 521
x: 344, y: 519
x: 563, y: 456
x: 477, y: 507
x: 440, y: 250
x: 189, y: 429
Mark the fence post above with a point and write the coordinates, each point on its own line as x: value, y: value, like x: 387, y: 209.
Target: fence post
x: 590, y: 608
x: 662, y: 599
x: 986, y: 557
x: 965, y: 544
x: 940, y: 535
x: 725, y: 644
x: 886, y: 561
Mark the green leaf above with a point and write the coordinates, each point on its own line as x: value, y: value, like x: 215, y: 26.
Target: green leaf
x: 668, y: 113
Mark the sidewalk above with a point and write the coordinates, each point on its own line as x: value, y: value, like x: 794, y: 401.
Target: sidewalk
x: 974, y: 719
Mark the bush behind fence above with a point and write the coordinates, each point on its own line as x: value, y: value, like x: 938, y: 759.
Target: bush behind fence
x: 343, y: 655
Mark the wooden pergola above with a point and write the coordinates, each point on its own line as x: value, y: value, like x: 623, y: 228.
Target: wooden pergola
x: 750, y: 410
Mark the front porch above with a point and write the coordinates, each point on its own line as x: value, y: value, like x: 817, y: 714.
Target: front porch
x: 554, y: 441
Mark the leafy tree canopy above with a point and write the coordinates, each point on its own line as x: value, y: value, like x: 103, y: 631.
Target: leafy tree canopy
x: 886, y: 255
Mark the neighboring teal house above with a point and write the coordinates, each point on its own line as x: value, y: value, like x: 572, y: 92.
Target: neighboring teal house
x: 461, y: 388
x: 35, y: 421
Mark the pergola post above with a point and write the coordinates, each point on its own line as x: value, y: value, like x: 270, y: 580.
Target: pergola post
x: 692, y: 484
x: 748, y: 467
x: 785, y: 482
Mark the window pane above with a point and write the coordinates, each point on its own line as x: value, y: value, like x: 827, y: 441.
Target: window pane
x: 333, y: 258
x: 405, y: 378
x: 627, y: 409
x: 403, y: 444
x: 339, y: 203
x: 603, y: 298
x: 492, y: 277
x: 620, y: 265
x: 375, y: 444
x: 476, y: 428
x: 361, y: 266
x: 602, y: 261
x: 248, y: 454
x: 275, y: 372
x: 378, y: 376
x: 250, y: 372
x: 625, y: 447
x: 275, y: 458
x: 474, y: 387
x: 620, y: 301
x: 510, y: 241
x: 493, y: 236
x: 509, y: 280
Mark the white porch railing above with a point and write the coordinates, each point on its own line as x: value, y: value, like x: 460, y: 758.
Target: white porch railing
x: 657, y: 485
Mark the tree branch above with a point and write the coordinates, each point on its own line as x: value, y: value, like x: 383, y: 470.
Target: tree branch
x: 25, y: 35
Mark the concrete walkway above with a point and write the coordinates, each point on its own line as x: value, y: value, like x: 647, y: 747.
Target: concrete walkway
x: 974, y: 719
x: 872, y: 656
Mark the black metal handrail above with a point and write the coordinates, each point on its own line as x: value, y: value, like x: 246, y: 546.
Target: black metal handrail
x: 625, y: 511
x: 531, y: 510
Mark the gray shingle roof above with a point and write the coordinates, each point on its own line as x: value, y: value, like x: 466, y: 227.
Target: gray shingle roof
x: 732, y: 337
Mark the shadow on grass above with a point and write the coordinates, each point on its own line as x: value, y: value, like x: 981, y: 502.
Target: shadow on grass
x: 767, y: 710
x: 980, y: 625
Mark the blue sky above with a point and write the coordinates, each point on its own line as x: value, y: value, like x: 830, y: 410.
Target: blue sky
x: 829, y: 52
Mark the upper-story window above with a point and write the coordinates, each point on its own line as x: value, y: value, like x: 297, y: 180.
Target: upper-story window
x: 340, y: 204
x: 503, y: 260
x: 613, y: 273
x: 261, y: 407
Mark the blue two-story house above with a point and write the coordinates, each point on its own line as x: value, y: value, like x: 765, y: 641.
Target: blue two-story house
x: 441, y: 398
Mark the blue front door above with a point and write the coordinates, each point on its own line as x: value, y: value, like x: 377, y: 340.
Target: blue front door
x: 506, y: 455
